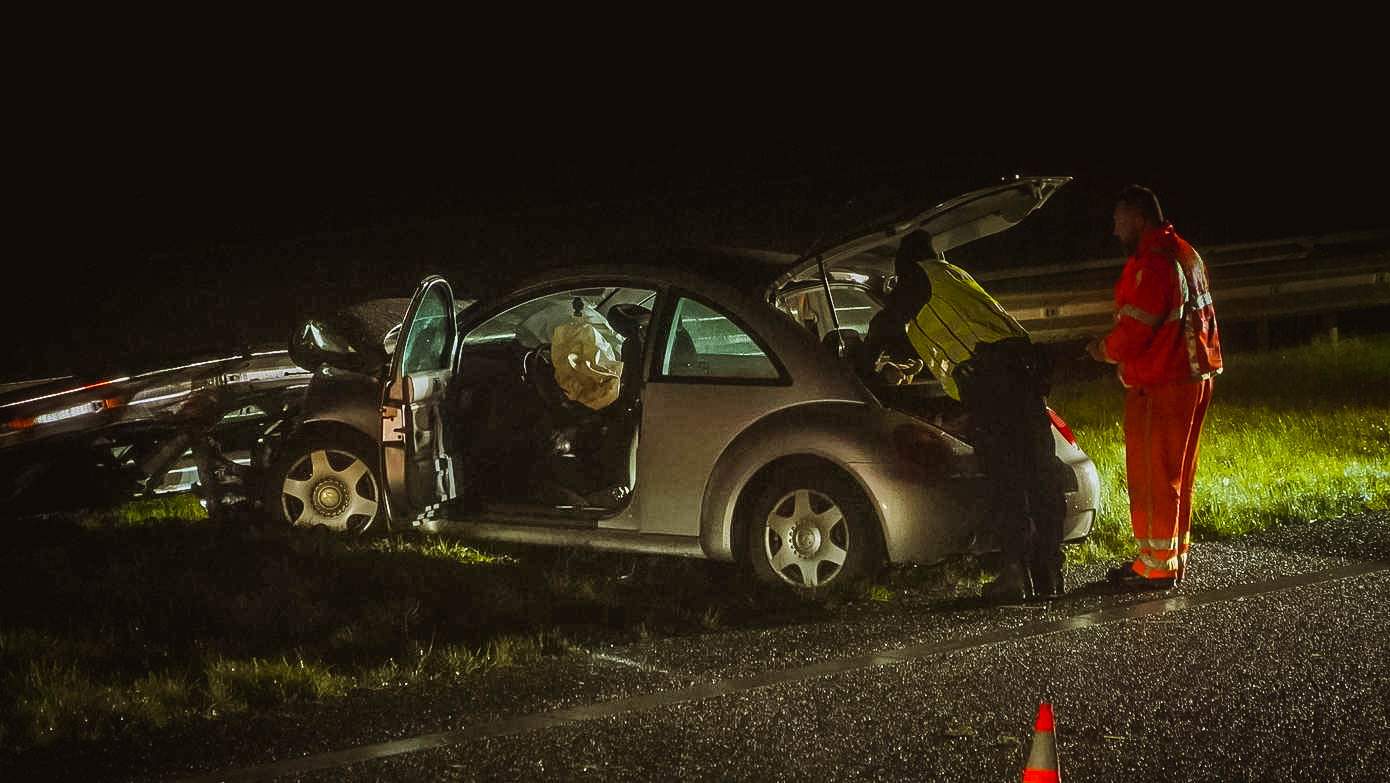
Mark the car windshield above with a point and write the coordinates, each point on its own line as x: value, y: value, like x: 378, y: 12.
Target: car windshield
x: 532, y: 322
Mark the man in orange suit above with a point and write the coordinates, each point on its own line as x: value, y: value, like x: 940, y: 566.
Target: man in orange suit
x: 1165, y: 342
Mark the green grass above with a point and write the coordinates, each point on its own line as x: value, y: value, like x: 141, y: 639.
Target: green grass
x: 1291, y: 435
x: 139, y: 513
x: 147, y: 615
x: 112, y: 623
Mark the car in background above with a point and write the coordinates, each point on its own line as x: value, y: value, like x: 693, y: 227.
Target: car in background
x: 73, y: 442
x: 200, y: 422
x: 743, y: 433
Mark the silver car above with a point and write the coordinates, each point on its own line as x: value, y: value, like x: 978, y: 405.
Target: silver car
x: 742, y: 432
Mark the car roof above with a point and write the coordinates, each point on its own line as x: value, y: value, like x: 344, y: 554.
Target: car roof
x: 867, y: 251
x: 747, y: 271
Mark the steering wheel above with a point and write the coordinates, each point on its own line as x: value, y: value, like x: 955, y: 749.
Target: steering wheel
x: 539, y: 373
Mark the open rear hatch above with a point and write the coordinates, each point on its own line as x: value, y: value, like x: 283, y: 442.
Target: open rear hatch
x: 865, y: 258
x: 980, y: 213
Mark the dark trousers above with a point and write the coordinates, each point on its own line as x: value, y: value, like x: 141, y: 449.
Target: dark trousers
x: 1003, y: 387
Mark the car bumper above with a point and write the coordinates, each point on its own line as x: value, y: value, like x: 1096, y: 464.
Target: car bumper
x: 927, y: 519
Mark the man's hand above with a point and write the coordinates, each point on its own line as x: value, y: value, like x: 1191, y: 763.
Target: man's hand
x: 899, y: 373
x: 891, y: 375
x: 1096, y: 349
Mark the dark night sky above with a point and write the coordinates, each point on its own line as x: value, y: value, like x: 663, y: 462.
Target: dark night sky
x: 168, y: 227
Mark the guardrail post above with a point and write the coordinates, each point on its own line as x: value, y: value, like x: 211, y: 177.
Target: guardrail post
x: 1328, y: 324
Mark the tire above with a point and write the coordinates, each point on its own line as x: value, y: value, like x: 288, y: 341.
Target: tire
x: 813, y: 532
x: 325, y: 482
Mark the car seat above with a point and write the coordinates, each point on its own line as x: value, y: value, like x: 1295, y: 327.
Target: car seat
x: 628, y: 320
x: 612, y: 458
x: 683, y: 353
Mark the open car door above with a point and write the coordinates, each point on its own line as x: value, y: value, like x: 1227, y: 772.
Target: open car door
x: 419, y: 474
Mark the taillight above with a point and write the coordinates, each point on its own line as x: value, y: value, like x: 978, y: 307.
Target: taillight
x: 920, y: 446
x: 1061, y: 427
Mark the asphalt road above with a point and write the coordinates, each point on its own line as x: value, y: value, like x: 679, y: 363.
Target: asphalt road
x: 1290, y: 686
x: 1248, y: 672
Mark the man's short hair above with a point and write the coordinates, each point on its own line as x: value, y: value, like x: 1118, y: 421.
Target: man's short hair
x: 1142, y: 200
x: 912, y: 288
x: 914, y: 248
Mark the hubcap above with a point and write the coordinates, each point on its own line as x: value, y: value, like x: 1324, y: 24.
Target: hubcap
x: 330, y: 497
x: 806, y: 539
x: 330, y: 487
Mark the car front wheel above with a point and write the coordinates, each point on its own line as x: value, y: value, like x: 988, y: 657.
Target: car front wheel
x: 812, y: 531
x: 326, y: 483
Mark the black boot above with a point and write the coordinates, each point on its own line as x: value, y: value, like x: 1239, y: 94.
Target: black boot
x: 1013, y: 585
x: 1124, y: 577
x: 1046, y: 572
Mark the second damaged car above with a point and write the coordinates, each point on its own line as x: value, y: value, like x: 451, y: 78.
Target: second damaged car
x: 696, y: 404
x: 80, y: 442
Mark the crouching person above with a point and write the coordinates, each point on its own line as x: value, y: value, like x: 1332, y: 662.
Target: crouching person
x: 984, y: 359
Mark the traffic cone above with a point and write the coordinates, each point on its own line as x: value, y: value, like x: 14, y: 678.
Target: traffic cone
x: 1042, y: 754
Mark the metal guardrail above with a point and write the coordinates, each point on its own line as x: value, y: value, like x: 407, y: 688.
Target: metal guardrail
x: 1294, y: 248
x: 1251, y: 281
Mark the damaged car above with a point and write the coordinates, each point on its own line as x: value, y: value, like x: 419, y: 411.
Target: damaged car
x: 691, y: 403
x: 201, y: 424
x: 75, y: 442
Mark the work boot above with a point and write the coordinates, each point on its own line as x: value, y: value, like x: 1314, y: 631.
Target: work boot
x: 1126, y: 578
x: 1011, y: 586
x: 1048, y: 583
x: 1046, y: 573
x: 1117, y: 572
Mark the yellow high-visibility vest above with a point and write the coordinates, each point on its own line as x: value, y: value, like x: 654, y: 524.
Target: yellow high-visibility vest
x: 959, y: 316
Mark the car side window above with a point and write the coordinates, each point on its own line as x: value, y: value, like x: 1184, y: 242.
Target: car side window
x: 706, y: 344
x: 431, y: 332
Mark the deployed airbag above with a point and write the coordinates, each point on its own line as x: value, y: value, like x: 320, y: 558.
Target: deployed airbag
x: 585, y: 353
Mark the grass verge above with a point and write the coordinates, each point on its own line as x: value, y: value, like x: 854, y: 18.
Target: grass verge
x: 1291, y: 435
x: 112, y: 624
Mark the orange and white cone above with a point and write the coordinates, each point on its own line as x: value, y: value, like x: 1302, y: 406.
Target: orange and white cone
x: 1042, y: 755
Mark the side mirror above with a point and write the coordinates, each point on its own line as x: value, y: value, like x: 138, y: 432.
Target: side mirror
x: 316, y: 343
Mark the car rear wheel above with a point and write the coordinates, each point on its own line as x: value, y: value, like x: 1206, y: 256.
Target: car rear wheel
x: 812, y: 531
x: 325, y: 483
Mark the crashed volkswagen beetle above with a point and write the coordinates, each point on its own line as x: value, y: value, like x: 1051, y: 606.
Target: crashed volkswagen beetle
x: 742, y: 433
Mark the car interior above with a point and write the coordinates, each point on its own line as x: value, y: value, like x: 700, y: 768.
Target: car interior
x: 526, y: 446
x: 920, y: 395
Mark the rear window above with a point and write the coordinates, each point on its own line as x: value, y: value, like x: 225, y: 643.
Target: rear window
x: 854, y: 307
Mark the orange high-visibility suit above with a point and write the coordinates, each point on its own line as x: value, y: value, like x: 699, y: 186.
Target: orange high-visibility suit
x: 1166, y: 344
